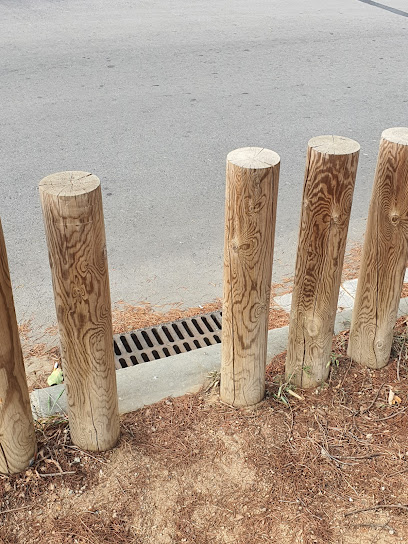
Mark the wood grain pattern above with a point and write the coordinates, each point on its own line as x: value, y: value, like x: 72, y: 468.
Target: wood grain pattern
x: 385, y: 255
x: 331, y: 167
x: 73, y: 218
x: 17, y: 437
x: 250, y: 214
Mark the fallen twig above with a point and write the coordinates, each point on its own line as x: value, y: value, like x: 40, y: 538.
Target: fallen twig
x: 377, y: 507
x: 374, y: 401
x: 85, y: 453
x: 390, y: 416
x: 369, y: 456
x: 290, y: 392
x: 14, y: 509
x: 56, y: 473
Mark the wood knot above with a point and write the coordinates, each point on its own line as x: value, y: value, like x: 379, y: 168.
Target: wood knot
x: 78, y: 291
x: 313, y: 327
x: 395, y: 218
x: 259, y: 310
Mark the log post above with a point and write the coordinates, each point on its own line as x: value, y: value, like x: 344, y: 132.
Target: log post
x: 385, y: 255
x: 74, y: 225
x: 331, y: 168
x: 250, y: 213
x: 17, y: 436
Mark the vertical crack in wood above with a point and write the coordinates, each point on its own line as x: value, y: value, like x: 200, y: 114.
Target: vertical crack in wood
x: 376, y: 286
x: 304, y: 198
x: 5, y: 458
x: 232, y: 320
x: 320, y: 332
x: 304, y: 357
x: 93, y: 421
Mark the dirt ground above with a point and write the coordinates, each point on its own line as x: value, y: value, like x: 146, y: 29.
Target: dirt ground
x: 328, y: 467
x: 331, y: 467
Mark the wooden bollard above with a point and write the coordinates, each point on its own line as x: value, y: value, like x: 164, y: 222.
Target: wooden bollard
x: 385, y: 255
x: 17, y: 436
x: 250, y: 213
x: 331, y: 168
x: 74, y: 225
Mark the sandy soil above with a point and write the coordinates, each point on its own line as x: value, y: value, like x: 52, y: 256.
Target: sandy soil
x: 329, y: 468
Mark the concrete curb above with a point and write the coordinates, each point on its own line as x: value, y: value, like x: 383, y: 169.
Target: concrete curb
x: 145, y: 384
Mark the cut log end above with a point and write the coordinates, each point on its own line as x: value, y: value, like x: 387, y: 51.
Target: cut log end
x: 69, y: 183
x: 334, y: 145
x: 397, y: 135
x: 253, y: 157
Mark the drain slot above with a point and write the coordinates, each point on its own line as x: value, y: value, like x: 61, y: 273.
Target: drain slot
x: 187, y: 329
x: 207, y: 324
x: 157, y: 336
x: 161, y: 341
x: 167, y: 333
x: 197, y: 326
x: 179, y: 334
x: 136, y: 341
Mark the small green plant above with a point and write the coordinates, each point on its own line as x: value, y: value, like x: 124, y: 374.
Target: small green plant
x: 307, y: 370
x: 334, y: 360
x: 286, y: 389
x: 52, y: 403
x: 215, y: 380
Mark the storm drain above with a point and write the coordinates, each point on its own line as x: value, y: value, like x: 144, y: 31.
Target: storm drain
x: 142, y: 346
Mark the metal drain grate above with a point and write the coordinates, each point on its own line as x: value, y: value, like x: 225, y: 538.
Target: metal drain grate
x: 168, y: 339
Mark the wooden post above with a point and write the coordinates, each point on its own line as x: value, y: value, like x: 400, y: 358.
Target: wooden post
x: 74, y: 225
x: 331, y: 168
x: 250, y: 213
x: 385, y: 255
x: 17, y: 436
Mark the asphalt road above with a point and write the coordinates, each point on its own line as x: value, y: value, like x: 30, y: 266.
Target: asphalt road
x: 151, y: 96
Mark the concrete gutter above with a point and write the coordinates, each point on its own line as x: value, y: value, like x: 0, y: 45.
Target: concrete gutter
x: 174, y: 376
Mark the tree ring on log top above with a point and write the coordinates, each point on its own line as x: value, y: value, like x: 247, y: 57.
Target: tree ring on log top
x: 69, y: 183
x: 334, y: 145
x: 397, y: 135
x: 254, y: 158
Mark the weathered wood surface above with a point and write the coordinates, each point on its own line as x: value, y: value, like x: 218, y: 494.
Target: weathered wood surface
x: 17, y: 437
x: 73, y: 217
x: 385, y: 255
x: 250, y: 214
x: 331, y: 167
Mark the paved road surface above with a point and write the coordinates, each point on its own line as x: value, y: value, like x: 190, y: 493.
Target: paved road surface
x: 152, y: 95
